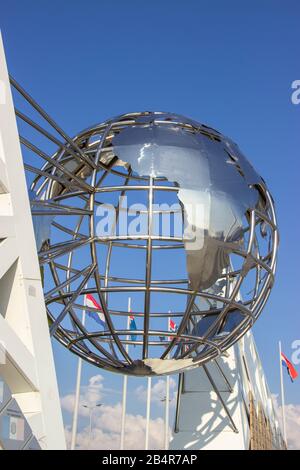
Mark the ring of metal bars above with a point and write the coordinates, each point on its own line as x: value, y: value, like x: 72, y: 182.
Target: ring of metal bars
x: 54, y: 171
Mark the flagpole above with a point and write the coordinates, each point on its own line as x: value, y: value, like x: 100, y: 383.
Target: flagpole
x: 167, y: 403
x: 148, y: 413
x: 125, y: 381
x: 282, y: 395
x: 77, y: 394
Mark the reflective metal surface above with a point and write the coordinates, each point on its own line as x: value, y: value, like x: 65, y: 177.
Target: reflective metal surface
x: 225, y: 252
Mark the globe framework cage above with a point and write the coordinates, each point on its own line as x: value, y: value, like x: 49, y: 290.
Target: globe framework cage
x: 194, y: 292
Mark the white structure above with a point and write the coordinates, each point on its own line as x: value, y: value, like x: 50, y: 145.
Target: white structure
x: 27, y: 364
x: 214, y: 402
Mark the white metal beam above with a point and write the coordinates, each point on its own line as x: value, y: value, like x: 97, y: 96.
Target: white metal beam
x: 19, y: 361
x: 8, y: 253
x: 29, y: 368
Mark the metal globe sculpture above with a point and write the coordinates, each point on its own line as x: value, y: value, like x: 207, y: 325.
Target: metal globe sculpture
x: 164, y: 210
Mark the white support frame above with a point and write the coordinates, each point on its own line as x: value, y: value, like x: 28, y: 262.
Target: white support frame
x: 28, y: 368
x: 202, y: 420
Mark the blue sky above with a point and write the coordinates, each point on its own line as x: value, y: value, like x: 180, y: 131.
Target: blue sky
x: 227, y: 64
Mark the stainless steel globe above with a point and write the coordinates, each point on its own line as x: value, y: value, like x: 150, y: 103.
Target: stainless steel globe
x: 167, y: 211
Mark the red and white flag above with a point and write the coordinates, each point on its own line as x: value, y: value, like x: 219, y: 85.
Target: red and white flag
x: 172, y: 327
x: 289, y: 367
x: 90, y: 302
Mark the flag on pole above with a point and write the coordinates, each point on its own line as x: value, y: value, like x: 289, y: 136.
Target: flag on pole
x: 99, y: 317
x: 289, y: 367
x: 132, y: 327
x: 172, y: 327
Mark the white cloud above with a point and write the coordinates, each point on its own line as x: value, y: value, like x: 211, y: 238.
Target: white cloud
x: 292, y: 418
x: 107, y: 421
x: 158, y: 392
x: 106, y: 431
x: 292, y: 413
x: 90, y: 395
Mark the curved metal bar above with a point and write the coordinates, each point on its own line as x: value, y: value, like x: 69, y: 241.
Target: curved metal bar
x: 100, y: 334
x: 95, y: 260
x: 148, y: 270
x: 110, y: 246
x: 109, y: 189
x: 71, y: 182
x: 53, y: 162
x: 49, y: 120
x: 80, y: 330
